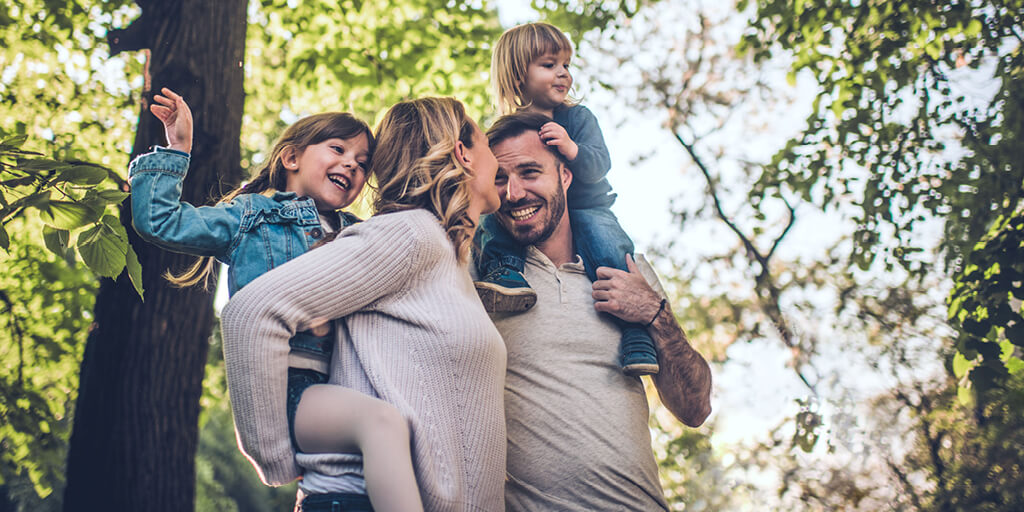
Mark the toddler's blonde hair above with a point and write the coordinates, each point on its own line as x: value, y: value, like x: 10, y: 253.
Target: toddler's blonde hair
x: 511, y: 58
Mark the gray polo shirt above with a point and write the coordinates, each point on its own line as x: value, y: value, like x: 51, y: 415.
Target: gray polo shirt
x: 578, y: 436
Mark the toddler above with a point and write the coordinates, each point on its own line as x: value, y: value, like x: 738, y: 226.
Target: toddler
x: 530, y: 71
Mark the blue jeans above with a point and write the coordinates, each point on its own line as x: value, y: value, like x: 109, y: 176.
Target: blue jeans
x: 336, y: 502
x: 600, y: 242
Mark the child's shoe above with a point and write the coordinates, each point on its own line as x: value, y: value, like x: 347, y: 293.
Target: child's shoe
x: 637, y: 352
x: 504, y: 290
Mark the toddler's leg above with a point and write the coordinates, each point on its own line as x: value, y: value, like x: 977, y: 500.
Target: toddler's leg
x: 601, y: 242
x: 500, y: 262
x: 335, y: 419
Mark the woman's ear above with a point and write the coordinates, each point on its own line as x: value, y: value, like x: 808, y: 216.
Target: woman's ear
x: 290, y: 158
x: 462, y: 156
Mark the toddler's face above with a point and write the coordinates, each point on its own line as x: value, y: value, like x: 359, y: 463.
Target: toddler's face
x: 548, y: 80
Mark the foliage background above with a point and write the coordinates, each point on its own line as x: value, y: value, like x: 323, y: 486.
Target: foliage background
x: 845, y: 241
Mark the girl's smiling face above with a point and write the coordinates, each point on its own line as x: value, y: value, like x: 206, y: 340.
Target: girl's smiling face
x: 332, y: 172
x: 548, y: 81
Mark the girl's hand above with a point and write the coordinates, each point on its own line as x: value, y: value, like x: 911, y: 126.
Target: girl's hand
x: 553, y: 134
x: 172, y: 110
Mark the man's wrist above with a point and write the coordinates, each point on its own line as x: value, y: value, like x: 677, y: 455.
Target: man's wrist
x: 661, y: 308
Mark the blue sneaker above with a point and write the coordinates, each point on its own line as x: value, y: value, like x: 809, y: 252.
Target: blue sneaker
x: 504, y: 290
x: 638, y: 356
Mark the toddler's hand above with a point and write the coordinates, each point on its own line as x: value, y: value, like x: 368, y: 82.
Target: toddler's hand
x: 177, y: 118
x: 553, y: 134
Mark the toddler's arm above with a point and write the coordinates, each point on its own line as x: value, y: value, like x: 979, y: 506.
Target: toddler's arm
x: 592, y: 160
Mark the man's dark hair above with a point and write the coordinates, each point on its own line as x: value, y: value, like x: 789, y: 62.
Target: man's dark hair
x: 514, y: 125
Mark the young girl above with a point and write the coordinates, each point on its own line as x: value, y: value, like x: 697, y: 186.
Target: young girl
x: 317, y: 167
x: 530, y: 70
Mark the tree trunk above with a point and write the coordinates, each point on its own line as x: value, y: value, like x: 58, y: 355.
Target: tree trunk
x: 136, y: 421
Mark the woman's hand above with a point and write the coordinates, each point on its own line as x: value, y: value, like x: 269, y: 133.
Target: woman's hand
x: 174, y: 113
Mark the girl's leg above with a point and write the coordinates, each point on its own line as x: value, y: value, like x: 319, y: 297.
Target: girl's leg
x: 335, y: 419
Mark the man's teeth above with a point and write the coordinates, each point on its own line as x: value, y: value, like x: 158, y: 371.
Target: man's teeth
x: 340, y: 181
x: 523, y: 213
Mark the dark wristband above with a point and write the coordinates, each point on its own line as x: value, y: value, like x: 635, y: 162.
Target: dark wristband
x: 661, y: 308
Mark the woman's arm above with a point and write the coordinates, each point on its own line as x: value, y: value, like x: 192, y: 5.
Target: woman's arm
x: 368, y: 261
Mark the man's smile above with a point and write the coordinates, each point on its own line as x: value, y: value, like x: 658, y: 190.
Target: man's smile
x: 523, y: 213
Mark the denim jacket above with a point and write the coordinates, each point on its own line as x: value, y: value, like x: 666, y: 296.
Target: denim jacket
x: 252, y: 233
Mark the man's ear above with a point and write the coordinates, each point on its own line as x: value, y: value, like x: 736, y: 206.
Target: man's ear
x: 462, y: 156
x: 565, y: 175
x: 290, y: 158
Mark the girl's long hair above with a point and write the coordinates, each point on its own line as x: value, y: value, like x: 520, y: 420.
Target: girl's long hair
x: 272, y: 175
x: 415, y: 165
x: 511, y: 58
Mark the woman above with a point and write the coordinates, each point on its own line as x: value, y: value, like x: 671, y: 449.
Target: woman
x: 415, y: 334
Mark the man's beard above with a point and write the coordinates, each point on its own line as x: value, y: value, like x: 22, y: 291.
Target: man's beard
x: 553, y: 205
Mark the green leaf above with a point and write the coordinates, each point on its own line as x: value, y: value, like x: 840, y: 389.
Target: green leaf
x: 1014, y: 365
x: 112, y: 195
x: 103, y: 250
x: 18, y: 182
x: 39, y: 164
x: 14, y: 142
x: 83, y: 175
x: 960, y: 365
x: 973, y: 28
x: 5, y: 240
x: 134, y: 269
x: 965, y: 396
x: 56, y: 240
x: 68, y: 215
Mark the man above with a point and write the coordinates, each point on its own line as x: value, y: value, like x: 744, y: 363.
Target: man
x: 577, y: 426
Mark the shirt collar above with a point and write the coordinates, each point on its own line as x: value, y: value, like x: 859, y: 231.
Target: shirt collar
x: 536, y: 257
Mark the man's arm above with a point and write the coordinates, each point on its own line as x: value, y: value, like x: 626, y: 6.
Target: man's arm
x: 684, y: 381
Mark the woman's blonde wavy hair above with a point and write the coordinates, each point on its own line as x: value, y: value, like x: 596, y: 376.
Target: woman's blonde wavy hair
x: 415, y: 165
x: 272, y: 176
x: 511, y: 58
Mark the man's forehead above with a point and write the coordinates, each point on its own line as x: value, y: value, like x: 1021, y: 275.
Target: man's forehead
x: 523, y: 149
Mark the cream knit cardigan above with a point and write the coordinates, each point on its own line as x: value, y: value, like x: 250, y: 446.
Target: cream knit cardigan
x: 414, y: 334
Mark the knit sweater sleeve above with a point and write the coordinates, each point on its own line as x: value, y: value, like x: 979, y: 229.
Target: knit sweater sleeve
x: 369, y: 261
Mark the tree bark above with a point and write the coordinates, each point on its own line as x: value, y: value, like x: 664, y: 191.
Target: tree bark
x: 136, y: 428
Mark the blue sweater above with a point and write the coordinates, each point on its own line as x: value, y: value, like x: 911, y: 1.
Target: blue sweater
x: 590, y: 187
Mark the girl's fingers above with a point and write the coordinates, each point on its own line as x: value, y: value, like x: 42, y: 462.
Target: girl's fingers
x: 160, y: 111
x: 170, y: 94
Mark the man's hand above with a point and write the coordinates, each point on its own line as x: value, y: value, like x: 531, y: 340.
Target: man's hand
x: 553, y: 134
x: 174, y: 113
x: 625, y: 294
